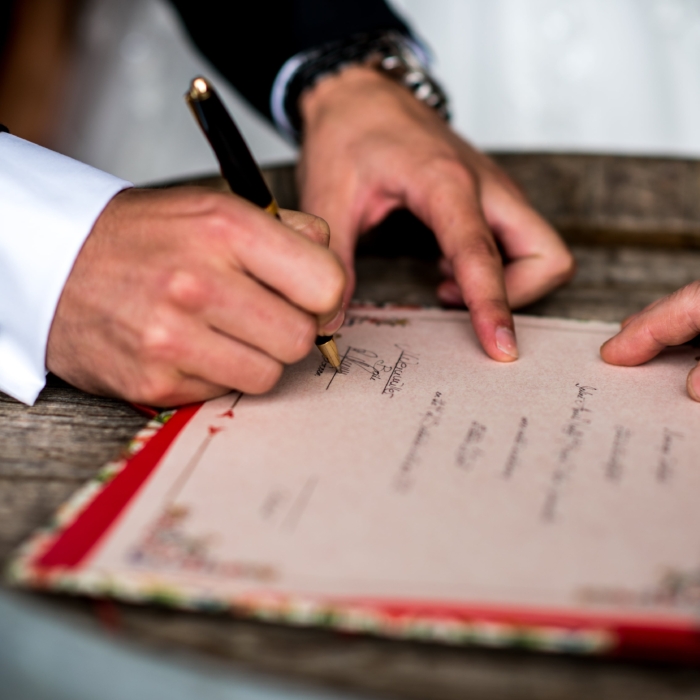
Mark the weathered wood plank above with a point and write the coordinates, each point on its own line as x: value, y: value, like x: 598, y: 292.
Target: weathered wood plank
x: 611, y: 283
x: 612, y: 199
x: 26, y: 504
x: 588, y: 198
x: 68, y: 434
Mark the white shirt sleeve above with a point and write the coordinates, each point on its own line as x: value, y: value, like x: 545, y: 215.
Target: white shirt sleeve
x: 48, y: 205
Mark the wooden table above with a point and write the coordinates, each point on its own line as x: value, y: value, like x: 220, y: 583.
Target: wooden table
x: 634, y: 225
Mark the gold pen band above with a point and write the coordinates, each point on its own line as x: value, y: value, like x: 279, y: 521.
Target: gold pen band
x: 273, y: 209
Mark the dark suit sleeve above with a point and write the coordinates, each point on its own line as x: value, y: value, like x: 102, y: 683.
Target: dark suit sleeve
x: 7, y: 13
x: 249, y: 46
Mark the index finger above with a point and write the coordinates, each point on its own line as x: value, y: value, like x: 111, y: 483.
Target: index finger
x: 448, y: 203
x: 673, y: 320
x: 304, y: 272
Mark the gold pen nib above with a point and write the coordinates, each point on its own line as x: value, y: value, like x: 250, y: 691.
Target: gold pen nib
x: 329, y: 350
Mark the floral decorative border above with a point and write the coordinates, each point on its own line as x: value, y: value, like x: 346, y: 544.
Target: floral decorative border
x: 20, y: 569
x: 349, y: 617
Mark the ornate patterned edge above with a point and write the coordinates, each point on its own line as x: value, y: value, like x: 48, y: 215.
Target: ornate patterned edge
x: 352, y: 617
x: 20, y: 569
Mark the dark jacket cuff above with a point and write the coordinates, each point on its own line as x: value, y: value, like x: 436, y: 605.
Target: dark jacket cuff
x: 250, y: 47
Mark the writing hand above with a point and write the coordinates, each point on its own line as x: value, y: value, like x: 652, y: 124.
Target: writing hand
x: 370, y: 147
x: 181, y: 295
x: 673, y: 320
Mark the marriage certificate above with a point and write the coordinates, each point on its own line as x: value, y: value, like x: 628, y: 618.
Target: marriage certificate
x: 423, y: 490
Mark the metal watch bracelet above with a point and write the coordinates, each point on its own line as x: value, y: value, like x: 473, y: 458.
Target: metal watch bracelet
x: 388, y: 52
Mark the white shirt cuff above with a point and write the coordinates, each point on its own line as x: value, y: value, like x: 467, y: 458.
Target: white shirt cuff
x: 48, y: 206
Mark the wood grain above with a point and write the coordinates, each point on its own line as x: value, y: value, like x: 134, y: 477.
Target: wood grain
x: 609, y: 199
x: 593, y: 199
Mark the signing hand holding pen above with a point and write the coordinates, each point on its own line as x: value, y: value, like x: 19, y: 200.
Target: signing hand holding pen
x: 370, y: 147
x: 181, y: 295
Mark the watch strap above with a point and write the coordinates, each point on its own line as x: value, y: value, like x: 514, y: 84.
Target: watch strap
x: 390, y: 52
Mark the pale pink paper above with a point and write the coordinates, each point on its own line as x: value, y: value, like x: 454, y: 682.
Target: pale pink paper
x: 426, y: 471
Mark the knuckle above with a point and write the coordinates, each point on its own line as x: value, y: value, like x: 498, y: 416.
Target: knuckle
x: 218, y: 225
x: 219, y: 221
x: 481, y: 245
x: 186, y: 290
x: 563, y: 267
x: 158, y: 343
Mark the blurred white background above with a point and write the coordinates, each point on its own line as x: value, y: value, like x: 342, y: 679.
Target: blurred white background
x: 614, y: 76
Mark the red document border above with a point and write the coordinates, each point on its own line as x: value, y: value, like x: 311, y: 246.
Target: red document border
x: 643, y: 636
x: 74, y: 544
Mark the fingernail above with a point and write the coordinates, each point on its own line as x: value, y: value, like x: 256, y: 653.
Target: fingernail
x: 693, y: 384
x: 333, y: 325
x: 505, y: 341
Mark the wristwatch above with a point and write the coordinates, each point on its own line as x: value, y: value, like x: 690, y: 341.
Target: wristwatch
x: 394, y: 54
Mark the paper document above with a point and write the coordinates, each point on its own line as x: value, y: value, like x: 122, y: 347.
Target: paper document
x: 425, y: 473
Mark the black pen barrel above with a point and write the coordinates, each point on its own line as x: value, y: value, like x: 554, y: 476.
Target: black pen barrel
x: 238, y: 166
